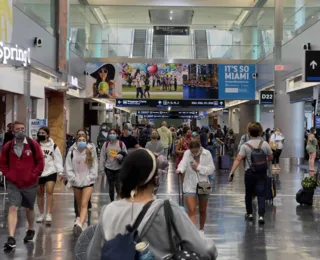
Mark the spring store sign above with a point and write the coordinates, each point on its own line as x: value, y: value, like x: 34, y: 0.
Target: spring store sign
x: 15, y: 55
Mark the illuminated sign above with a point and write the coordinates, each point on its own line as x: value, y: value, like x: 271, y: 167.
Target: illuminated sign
x: 12, y: 54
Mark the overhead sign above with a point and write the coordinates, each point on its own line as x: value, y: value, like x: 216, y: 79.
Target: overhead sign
x: 237, y: 81
x: 266, y: 97
x: 312, y: 66
x: 171, y: 30
x: 146, y: 112
x: 35, y: 125
x: 160, y: 103
x: 12, y: 54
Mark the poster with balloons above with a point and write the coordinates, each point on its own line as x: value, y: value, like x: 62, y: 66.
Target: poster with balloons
x: 153, y: 80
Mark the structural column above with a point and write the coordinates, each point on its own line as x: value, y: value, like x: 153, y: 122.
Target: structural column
x: 96, y: 40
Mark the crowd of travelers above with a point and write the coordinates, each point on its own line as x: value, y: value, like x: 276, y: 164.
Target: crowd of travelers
x: 133, y: 161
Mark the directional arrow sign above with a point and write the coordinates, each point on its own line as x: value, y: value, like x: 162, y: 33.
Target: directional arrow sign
x: 313, y: 64
x: 311, y: 68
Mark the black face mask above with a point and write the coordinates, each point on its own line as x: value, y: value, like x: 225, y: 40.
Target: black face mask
x: 41, y: 138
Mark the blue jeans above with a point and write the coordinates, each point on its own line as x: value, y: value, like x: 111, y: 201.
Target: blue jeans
x: 255, y: 184
x: 165, y: 152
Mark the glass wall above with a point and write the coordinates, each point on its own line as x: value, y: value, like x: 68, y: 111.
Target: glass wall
x: 127, y: 31
x: 299, y: 15
x: 42, y: 12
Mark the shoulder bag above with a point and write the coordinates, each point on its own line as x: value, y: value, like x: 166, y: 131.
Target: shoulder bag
x: 178, y: 246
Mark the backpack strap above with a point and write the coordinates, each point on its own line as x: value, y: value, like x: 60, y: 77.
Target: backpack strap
x: 8, y: 152
x: 107, y: 143
x: 250, y: 146
x: 121, y: 144
x: 54, y: 147
x: 260, y: 144
x: 140, y: 217
x: 33, y: 150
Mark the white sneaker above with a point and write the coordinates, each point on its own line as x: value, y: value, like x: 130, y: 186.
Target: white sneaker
x: 77, y: 221
x: 40, y: 218
x: 84, y: 226
x: 77, y: 229
x: 48, y: 218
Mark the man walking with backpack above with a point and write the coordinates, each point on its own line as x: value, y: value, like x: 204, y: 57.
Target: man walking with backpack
x: 22, y: 164
x: 257, y: 154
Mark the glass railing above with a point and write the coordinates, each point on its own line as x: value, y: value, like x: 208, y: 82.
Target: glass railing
x: 174, y: 51
x: 300, y: 20
x: 42, y: 13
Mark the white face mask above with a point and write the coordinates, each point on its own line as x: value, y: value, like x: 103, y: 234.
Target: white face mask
x: 105, y: 134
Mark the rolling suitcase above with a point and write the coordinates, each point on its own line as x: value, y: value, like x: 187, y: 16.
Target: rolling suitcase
x: 271, y: 191
x: 305, y: 197
x: 180, y: 191
x: 224, y: 161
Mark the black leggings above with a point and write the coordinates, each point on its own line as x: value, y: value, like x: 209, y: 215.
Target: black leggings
x: 276, y: 156
x: 139, y: 91
x: 114, y: 181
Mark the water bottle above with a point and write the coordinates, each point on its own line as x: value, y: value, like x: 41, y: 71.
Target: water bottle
x: 143, y: 250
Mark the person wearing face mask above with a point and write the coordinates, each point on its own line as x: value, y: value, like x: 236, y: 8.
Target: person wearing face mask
x: 63, y: 177
x: 183, y: 144
x: 111, y: 157
x: 312, y: 149
x: 196, y: 165
x: 22, y: 163
x: 103, y: 135
x: 276, y: 144
x: 8, y: 136
x: 82, y: 173
x: 155, y: 145
x: 53, y: 165
x: 129, y: 141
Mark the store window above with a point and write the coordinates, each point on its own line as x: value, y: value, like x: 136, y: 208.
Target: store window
x: 42, y: 12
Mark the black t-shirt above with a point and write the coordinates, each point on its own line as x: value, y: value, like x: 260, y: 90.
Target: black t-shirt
x: 129, y: 141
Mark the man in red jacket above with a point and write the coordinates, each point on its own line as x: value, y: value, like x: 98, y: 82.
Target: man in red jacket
x: 22, y: 163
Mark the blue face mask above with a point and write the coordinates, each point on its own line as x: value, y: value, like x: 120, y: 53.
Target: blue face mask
x: 112, y: 137
x: 129, y: 133
x: 194, y: 134
x: 81, y: 145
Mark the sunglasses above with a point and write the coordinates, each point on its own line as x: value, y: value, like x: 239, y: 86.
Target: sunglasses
x: 103, y: 71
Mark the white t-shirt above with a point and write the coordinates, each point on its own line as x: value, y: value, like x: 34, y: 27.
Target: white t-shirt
x: 245, y: 151
x: 278, y: 139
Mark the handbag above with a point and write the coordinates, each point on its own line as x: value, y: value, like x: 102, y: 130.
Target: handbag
x: 203, y: 187
x: 178, y: 246
x: 273, y: 146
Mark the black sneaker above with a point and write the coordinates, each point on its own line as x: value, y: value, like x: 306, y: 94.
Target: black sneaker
x: 249, y: 217
x: 29, y: 236
x: 11, y: 243
x: 261, y: 220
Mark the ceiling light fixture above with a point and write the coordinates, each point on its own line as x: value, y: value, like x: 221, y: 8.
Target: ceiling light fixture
x: 100, y: 16
x: 171, y: 12
x: 171, y: 18
x: 241, y: 17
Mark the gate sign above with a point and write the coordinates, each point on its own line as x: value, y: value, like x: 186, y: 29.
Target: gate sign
x: 266, y: 97
x: 312, y: 66
x: 237, y: 81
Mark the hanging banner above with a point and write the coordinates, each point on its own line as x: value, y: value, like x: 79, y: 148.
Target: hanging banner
x: 237, y: 81
x: 35, y: 125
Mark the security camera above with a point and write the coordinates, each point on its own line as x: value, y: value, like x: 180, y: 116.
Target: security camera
x: 37, y: 42
x: 307, y: 47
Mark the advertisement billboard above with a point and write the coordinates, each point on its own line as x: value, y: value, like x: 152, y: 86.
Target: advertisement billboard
x: 152, y: 81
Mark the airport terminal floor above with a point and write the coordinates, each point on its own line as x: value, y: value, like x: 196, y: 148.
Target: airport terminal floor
x: 291, y: 231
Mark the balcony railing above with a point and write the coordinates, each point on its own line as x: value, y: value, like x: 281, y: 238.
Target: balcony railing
x: 176, y: 51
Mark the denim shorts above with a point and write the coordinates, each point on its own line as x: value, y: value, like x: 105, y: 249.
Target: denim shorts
x: 200, y: 196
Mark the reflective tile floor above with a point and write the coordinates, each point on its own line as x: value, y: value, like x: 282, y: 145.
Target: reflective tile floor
x: 291, y: 232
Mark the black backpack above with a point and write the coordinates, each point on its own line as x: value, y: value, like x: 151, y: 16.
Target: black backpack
x: 259, y: 162
x: 32, y: 148
x: 124, y: 246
